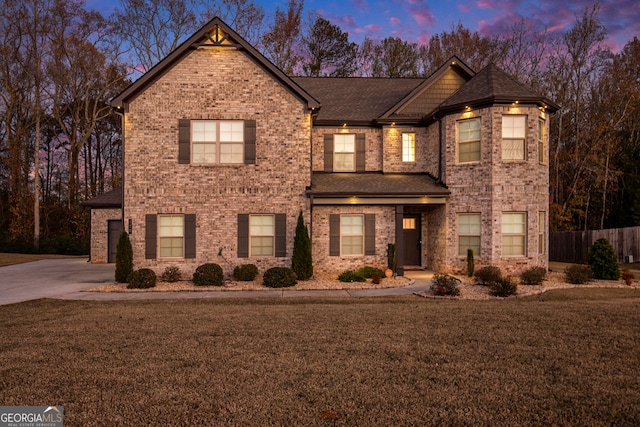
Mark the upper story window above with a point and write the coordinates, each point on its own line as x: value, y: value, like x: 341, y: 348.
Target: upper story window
x: 344, y: 152
x: 408, y: 147
x: 469, y: 141
x: 542, y: 141
x: 513, y: 137
x: 217, y: 141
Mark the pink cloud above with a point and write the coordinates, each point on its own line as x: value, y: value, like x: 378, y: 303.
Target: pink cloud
x: 373, y: 27
x: 394, y: 21
x: 486, y: 4
x: 423, y: 16
x: 423, y: 38
x: 464, y: 8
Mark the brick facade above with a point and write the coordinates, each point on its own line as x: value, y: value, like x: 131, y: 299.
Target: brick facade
x: 100, y: 233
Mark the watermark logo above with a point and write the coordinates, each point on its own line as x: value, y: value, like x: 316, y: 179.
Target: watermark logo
x: 31, y: 416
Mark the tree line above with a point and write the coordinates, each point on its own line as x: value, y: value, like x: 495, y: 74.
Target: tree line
x: 61, y: 63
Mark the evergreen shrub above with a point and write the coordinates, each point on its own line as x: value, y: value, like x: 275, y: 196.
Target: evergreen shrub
x: 245, y: 272
x: 124, y: 258
x: 301, y: 261
x: 351, y: 276
x: 209, y: 274
x: 533, y: 276
x: 171, y: 274
x: 603, y: 260
x: 279, y: 277
x: 578, y: 274
x: 487, y: 275
x: 142, y: 279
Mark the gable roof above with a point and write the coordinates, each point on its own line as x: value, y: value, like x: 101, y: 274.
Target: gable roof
x: 493, y: 86
x: 110, y: 199
x: 213, y: 33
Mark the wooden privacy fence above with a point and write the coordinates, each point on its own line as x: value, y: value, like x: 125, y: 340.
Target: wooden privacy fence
x: 574, y: 246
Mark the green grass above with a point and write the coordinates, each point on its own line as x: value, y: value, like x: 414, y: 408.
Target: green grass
x: 566, y: 357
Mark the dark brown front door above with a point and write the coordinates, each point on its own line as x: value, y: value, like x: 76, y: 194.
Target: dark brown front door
x: 412, y: 240
x: 115, y: 229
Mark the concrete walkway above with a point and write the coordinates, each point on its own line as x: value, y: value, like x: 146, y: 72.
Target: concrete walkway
x: 71, y: 278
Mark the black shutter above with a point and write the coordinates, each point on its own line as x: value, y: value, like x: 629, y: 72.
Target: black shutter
x: 151, y: 236
x: 243, y: 235
x: 334, y: 235
x: 249, y: 142
x: 281, y: 235
x: 190, y: 236
x: 360, y: 152
x: 370, y: 234
x: 184, y: 141
x: 328, y: 153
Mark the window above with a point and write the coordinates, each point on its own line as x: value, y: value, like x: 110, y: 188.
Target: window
x: 261, y: 235
x: 408, y: 223
x: 469, y: 141
x: 542, y: 141
x: 352, y: 234
x: 514, y: 233
x: 344, y: 152
x: 468, y: 233
x: 513, y: 137
x: 217, y: 141
x: 171, y: 236
x: 408, y: 147
x: 541, y: 232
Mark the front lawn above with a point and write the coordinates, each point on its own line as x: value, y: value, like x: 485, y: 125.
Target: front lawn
x: 566, y: 357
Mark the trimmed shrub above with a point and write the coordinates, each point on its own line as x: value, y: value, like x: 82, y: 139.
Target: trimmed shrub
x: 533, y: 276
x: 279, y: 277
x: 445, y: 285
x: 375, y: 279
x: 245, y: 272
x: 578, y: 274
x: 503, y: 287
x: 301, y: 261
x: 487, y: 275
x: 171, y: 274
x: 209, y: 274
x: 124, y: 258
x: 367, y: 272
x: 470, y: 263
x: 351, y: 276
x: 603, y: 260
x: 142, y: 279
x: 391, y: 257
x: 628, y: 277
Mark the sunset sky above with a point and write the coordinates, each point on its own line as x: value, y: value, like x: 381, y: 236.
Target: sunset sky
x: 417, y: 20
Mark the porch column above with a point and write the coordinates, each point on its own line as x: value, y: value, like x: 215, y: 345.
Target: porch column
x: 399, y: 241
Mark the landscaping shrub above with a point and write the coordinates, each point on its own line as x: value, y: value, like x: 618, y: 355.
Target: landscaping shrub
x: 279, y: 277
x: 301, y: 261
x: 124, y: 258
x: 503, y: 287
x: 628, y: 277
x: 245, y: 272
x: 391, y: 257
x: 171, y: 274
x: 375, y: 279
x: 487, y: 275
x: 470, y: 263
x: 603, y: 260
x: 445, y: 285
x: 533, y: 276
x: 578, y: 274
x: 351, y: 276
x: 142, y: 279
x: 368, y: 271
x: 208, y: 275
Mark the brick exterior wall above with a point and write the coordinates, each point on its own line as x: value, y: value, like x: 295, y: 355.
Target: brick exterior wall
x: 100, y: 233
x: 215, y: 83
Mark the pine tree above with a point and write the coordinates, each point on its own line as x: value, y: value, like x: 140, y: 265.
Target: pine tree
x: 124, y: 258
x: 301, y: 262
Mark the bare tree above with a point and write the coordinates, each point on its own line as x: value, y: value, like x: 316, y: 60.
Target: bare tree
x: 281, y: 39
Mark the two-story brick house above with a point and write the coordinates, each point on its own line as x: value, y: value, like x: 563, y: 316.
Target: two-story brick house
x: 222, y: 150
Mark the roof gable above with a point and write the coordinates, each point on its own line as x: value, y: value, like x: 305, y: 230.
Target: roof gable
x: 214, y: 33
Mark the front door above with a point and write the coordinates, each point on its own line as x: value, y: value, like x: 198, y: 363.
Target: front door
x: 115, y: 229
x: 412, y: 240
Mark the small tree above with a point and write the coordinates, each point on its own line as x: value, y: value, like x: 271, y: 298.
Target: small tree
x: 124, y: 258
x: 391, y: 257
x: 604, y: 261
x: 301, y: 262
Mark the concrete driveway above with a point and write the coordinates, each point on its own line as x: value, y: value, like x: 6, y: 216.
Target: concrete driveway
x: 51, y: 278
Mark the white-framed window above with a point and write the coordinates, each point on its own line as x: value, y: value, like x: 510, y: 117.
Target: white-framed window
x: 217, y: 141
x: 514, y: 137
x: 542, y: 141
x: 352, y: 234
x: 344, y: 152
x: 468, y: 233
x: 408, y: 147
x: 469, y: 140
x: 542, y: 227
x: 171, y: 236
x: 262, y: 231
x: 514, y: 233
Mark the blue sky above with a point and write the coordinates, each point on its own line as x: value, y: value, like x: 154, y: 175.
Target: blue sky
x: 417, y: 20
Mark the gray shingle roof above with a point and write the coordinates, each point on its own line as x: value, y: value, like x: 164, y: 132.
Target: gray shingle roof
x: 375, y: 184
x: 492, y: 85
x: 110, y: 199
x: 356, y: 99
